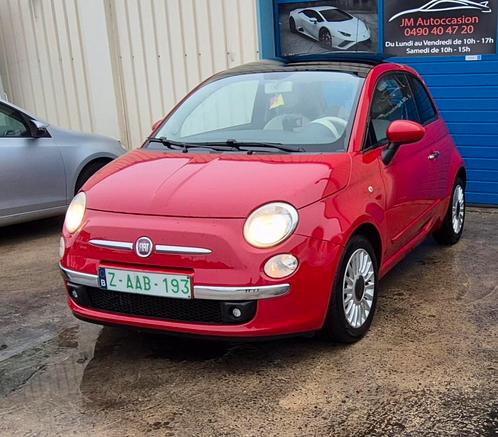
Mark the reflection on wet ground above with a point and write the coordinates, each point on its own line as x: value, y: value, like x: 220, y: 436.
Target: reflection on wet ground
x: 428, y: 366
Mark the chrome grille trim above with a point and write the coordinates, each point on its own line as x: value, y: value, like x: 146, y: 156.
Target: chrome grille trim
x: 160, y: 248
x: 123, y: 245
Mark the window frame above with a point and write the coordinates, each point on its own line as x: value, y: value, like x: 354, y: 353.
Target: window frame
x: 411, y: 78
x: 384, y: 143
x: 22, y: 118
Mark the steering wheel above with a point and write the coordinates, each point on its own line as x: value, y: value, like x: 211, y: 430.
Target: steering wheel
x: 286, y: 122
x: 335, y: 125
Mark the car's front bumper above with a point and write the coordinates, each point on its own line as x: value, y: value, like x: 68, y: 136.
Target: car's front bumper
x: 206, y: 292
x: 229, y: 275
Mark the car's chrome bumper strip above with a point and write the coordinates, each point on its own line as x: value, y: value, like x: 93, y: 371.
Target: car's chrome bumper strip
x: 159, y: 248
x: 200, y: 291
x: 79, y: 278
x: 240, y: 293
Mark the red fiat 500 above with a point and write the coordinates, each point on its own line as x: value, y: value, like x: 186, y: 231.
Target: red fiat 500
x: 270, y: 201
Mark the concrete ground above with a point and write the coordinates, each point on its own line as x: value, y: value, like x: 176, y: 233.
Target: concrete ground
x: 429, y: 365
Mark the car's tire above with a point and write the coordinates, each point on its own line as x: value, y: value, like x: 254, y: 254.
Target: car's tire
x: 451, y: 230
x: 292, y: 25
x: 325, y: 38
x: 353, y: 301
x: 88, y: 171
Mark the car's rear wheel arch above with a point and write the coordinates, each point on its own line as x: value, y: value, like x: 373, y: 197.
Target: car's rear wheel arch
x: 292, y: 25
x: 462, y: 174
x: 88, y: 170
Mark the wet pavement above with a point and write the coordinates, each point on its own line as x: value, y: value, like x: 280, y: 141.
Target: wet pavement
x: 429, y: 365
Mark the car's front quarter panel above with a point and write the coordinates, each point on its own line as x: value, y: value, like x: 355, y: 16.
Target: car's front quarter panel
x: 337, y: 217
x: 79, y: 149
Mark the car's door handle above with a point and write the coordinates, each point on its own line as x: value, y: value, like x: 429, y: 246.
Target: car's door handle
x: 434, y: 155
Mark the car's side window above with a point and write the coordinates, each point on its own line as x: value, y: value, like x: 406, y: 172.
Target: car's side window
x: 393, y: 100
x: 318, y: 17
x: 312, y: 14
x: 12, y: 123
x: 426, y: 108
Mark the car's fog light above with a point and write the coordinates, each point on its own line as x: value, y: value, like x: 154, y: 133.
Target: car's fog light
x: 62, y: 247
x: 281, y: 266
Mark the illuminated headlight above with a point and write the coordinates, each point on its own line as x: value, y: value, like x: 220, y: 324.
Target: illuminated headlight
x: 281, y: 266
x: 270, y: 224
x: 75, y: 213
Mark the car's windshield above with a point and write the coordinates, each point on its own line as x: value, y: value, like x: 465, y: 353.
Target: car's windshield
x: 312, y: 110
x: 335, y: 15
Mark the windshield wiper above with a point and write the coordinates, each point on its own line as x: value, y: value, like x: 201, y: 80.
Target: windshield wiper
x: 221, y: 146
x: 243, y: 145
x: 184, y: 147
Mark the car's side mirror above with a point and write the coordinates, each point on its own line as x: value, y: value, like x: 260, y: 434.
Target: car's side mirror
x: 401, y: 132
x: 38, y: 129
x: 313, y: 20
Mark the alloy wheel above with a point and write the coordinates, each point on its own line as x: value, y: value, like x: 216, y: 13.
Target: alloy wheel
x: 358, y: 288
x: 458, y: 209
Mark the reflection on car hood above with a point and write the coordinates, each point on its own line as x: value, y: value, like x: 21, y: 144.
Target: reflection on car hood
x: 213, y: 185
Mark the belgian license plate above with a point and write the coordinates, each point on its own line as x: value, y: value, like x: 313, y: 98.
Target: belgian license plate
x: 151, y: 284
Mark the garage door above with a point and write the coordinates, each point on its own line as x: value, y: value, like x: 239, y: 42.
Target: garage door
x: 467, y: 95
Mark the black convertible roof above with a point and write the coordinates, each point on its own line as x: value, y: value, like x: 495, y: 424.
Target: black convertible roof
x: 360, y: 67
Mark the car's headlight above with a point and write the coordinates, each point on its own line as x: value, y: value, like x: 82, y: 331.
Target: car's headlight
x: 270, y: 224
x: 75, y: 213
x: 345, y: 33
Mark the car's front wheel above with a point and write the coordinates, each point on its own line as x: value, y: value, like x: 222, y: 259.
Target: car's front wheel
x: 354, y: 296
x: 452, y: 228
x: 325, y: 39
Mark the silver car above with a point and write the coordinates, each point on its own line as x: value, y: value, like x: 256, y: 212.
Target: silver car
x: 42, y: 166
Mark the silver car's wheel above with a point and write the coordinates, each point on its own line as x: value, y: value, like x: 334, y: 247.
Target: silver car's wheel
x: 458, y: 209
x: 358, y: 288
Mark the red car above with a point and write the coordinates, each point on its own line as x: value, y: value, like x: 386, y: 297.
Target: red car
x: 270, y: 201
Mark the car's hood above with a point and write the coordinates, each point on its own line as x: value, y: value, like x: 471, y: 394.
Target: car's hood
x: 354, y: 27
x: 213, y: 185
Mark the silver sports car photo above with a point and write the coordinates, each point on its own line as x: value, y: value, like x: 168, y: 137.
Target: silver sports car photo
x: 42, y: 166
x: 332, y: 27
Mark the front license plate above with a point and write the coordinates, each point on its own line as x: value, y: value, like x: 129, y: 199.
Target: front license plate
x: 151, y: 284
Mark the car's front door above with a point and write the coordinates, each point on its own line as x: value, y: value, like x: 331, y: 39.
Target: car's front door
x: 409, y: 178
x: 32, y: 176
x: 310, y: 22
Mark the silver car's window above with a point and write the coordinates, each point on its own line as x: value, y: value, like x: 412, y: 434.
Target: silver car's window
x: 11, y: 123
x: 313, y: 110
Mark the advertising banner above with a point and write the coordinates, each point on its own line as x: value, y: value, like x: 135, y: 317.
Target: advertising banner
x: 331, y: 26
x: 439, y: 27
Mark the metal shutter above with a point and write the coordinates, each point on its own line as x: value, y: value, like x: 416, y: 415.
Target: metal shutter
x: 467, y: 95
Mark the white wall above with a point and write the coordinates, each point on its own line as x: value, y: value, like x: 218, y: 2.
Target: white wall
x: 116, y: 66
